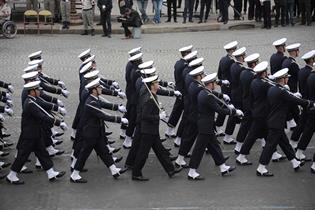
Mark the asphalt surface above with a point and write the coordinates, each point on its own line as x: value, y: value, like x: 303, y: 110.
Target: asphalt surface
x: 242, y: 190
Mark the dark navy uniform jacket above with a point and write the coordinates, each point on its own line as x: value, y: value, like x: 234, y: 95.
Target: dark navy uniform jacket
x: 303, y: 75
x: 294, y: 69
x: 236, y: 88
x: 246, y: 78
x: 179, y: 68
x: 279, y: 100
x: 276, y: 62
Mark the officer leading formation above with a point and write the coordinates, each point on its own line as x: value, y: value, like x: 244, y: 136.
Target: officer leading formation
x: 265, y: 105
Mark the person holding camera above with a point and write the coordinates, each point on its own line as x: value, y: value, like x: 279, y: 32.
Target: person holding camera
x: 131, y: 18
x: 105, y: 7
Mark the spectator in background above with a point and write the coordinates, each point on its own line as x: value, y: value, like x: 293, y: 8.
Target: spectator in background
x: 238, y: 9
x: 266, y: 13
x: 305, y: 8
x: 245, y: 6
x: 65, y: 13
x: 258, y: 10
x: 105, y: 7
x: 57, y: 11
x: 87, y: 16
x: 131, y: 18
x: 5, y: 12
x: 157, y: 5
x: 32, y: 4
x: 142, y: 5
x: 290, y: 12
x: 204, y: 3
x: 280, y: 6
x: 170, y: 4
x: 189, y: 7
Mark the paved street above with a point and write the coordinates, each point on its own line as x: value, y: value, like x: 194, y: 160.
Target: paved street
x: 242, y: 190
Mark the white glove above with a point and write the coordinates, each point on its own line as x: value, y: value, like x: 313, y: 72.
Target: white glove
x: 230, y: 106
x: 62, y: 111
x: 8, y: 96
x: 297, y: 94
x: 59, y: 102
x: 121, y: 94
x: 1, y: 118
x: 63, y: 126
x: 239, y: 113
x: 11, y: 88
x: 124, y: 121
x: 9, y: 111
x: 65, y: 93
x: 177, y: 93
x: 225, y: 82
x: 115, y: 84
x: 287, y: 87
x: 9, y: 103
x: 61, y: 84
x: 171, y: 84
x: 163, y: 115
x: 226, y: 98
x: 271, y: 77
x: 122, y: 108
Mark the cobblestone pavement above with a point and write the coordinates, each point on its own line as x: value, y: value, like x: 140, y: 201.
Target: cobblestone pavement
x: 241, y: 190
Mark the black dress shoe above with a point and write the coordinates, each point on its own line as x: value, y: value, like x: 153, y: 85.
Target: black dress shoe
x: 188, y: 155
x: 198, y: 178
x: 72, y: 138
x: 118, y: 159
x: 169, y: 20
x: 181, y: 166
x: 229, y: 143
x: 296, y: 169
x: 82, y: 171
x: 58, y: 142
x: 60, y: 174
x: 6, y: 144
x: 125, y: 147
x: 172, y: 158
x: 110, y: 142
x: 116, y: 150
x: 266, y: 174
x: 232, y: 168
x: 279, y: 159
x: 4, y: 154
x: 175, y: 171
x: 312, y: 171
x: 191, y: 21
x: 19, y: 182
x: 26, y: 171
x: 176, y: 145
x: 120, y: 173
x: 175, y: 21
x: 104, y: 35
x: 78, y: 180
x: 247, y: 163
x: 200, y: 21
x: 5, y: 165
x: 5, y: 135
x: 140, y: 178
x: 306, y: 159
x: 121, y: 137
x: 162, y: 140
x: 58, y: 134
x: 60, y: 152
x: 108, y: 133
x: 236, y: 152
x: 38, y: 167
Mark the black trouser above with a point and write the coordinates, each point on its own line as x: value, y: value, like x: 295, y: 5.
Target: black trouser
x: 26, y: 146
x: 106, y: 22
x: 245, y: 126
x: 179, y: 3
x: 188, y: 138
x: 221, y: 118
x: 294, y: 112
x: 258, y: 10
x: 267, y: 15
x: 147, y: 142
x: 99, y: 145
x: 196, y: 5
x: 230, y: 125
x: 280, y: 11
x: 126, y: 30
x: 298, y: 130
x: 251, y: 9
x: 182, y: 124
x: 47, y: 135
x: 305, y: 7
x: 204, y: 3
x: 238, y: 8
x: 170, y: 4
x: 132, y: 117
x: 176, y: 112
x: 275, y: 137
x: 245, y: 6
x: 210, y: 142
x: 189, y: 7
x: 224, y: 9
x: 258, y: 129
x: 134, y: 147
x: 76, y: 117
x: 308, y: 132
